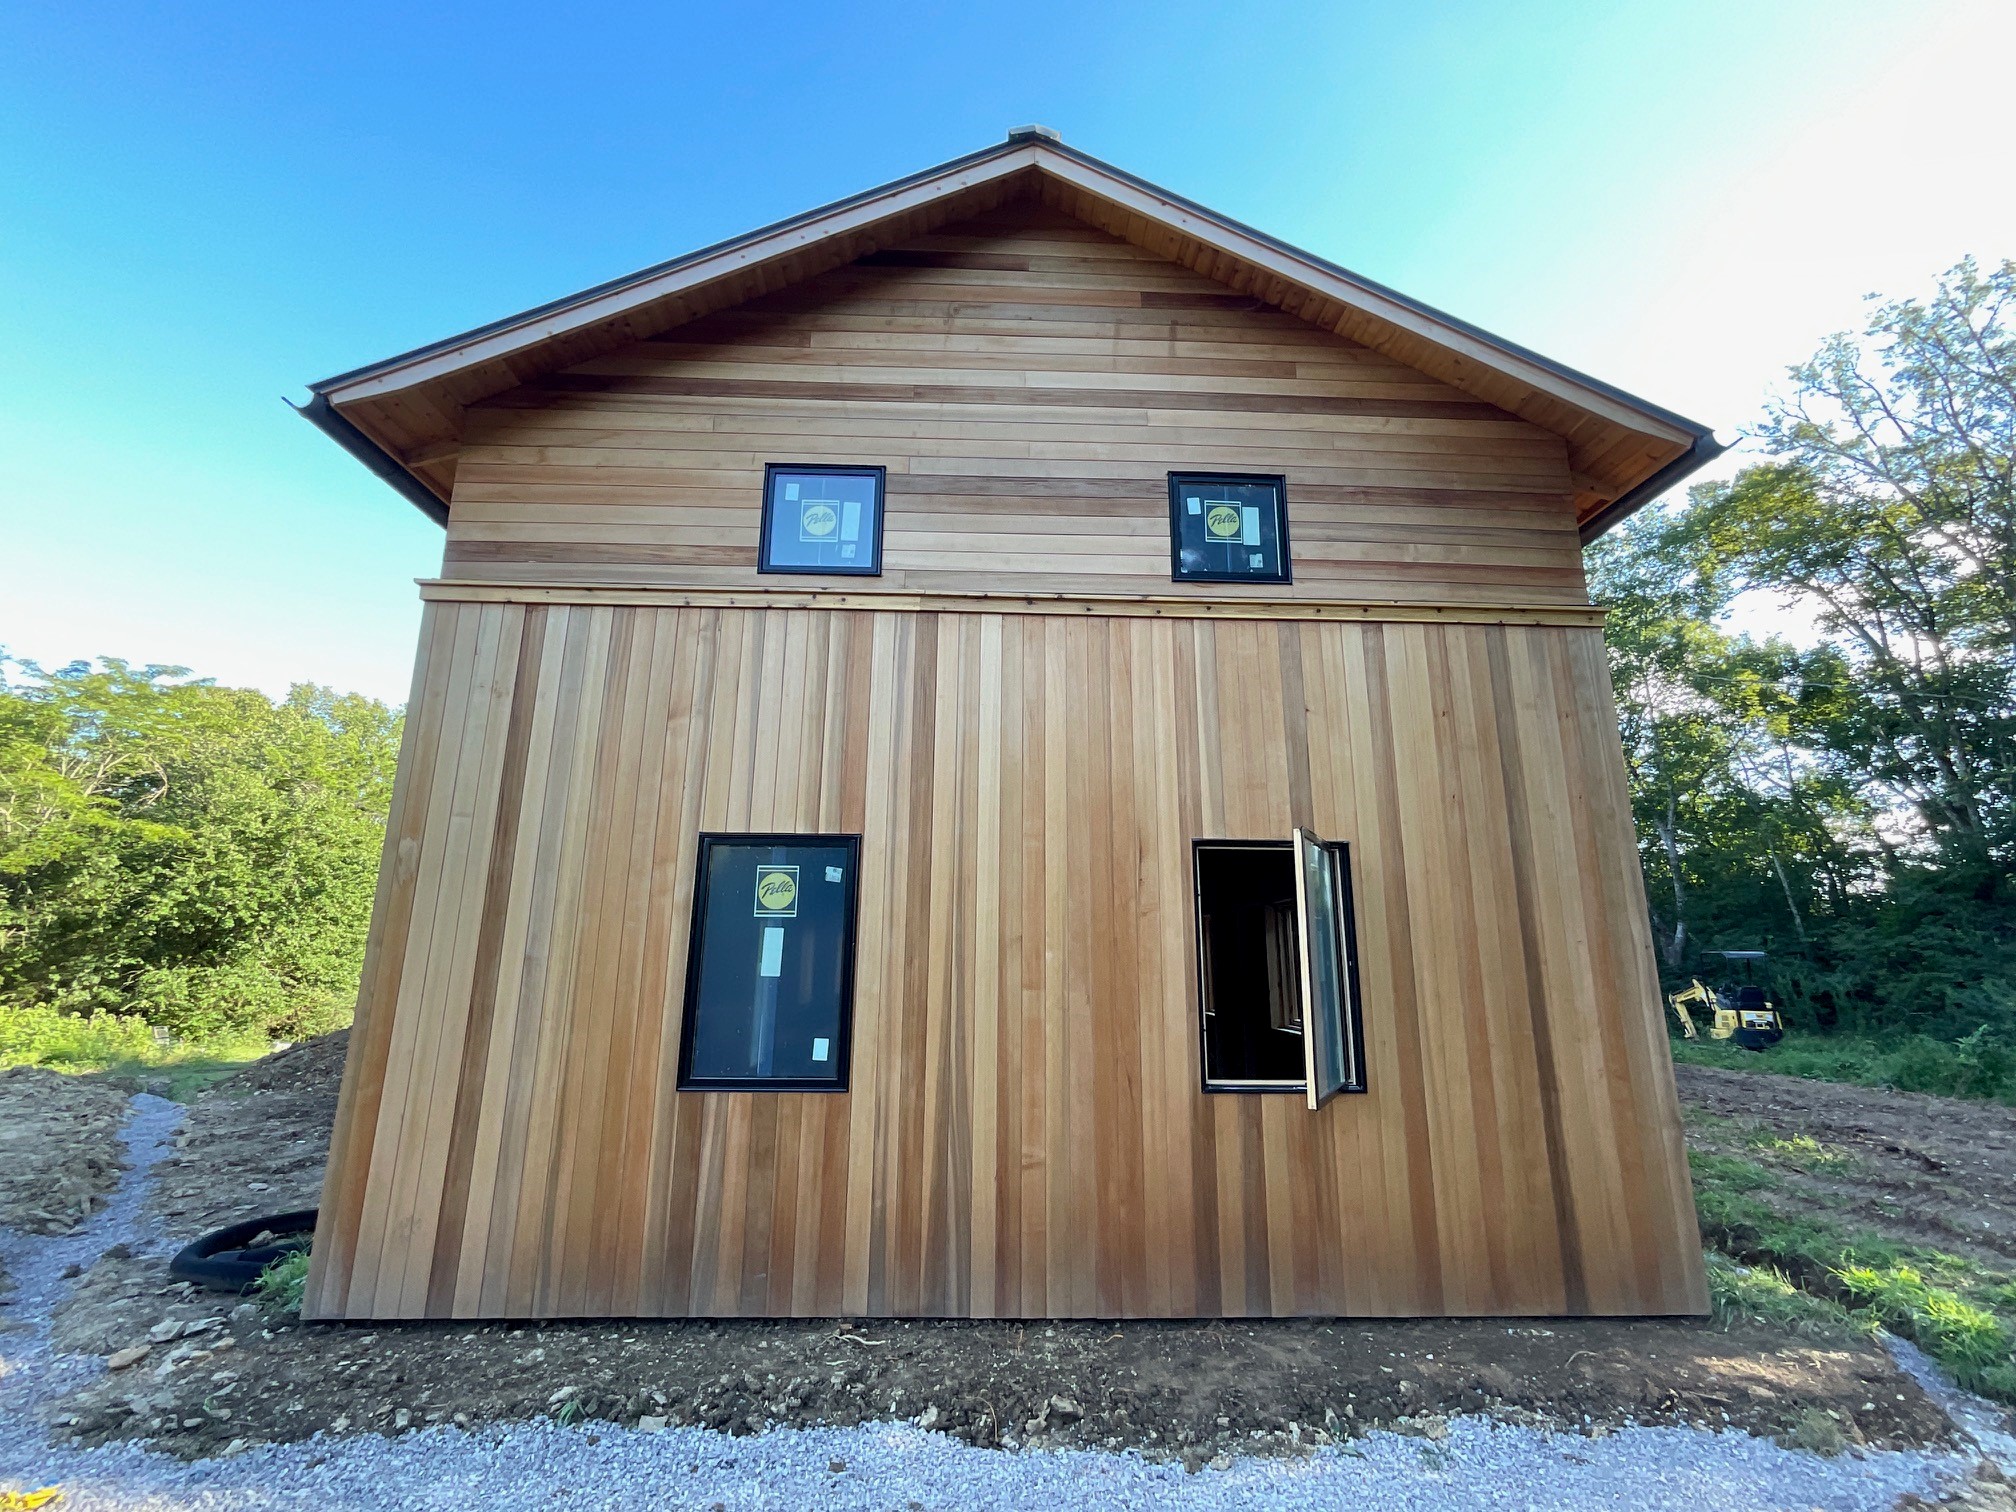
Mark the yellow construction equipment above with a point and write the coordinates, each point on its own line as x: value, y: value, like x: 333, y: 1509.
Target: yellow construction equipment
x: 1743, y: 1013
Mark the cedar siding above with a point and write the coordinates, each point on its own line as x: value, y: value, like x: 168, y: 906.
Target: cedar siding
x: 1028, y: 724
x: 1026, y: 1133
x: 1030, y: 383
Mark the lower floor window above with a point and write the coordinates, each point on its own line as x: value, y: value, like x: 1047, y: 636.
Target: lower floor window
x: 770, y: 970
x: 1277, y: 967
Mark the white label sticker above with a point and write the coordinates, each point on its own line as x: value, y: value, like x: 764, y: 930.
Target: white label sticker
x: 790, y: 490
x: 1249, y: 517
x: 820, y: 1048
x: 850, y: 520
x: 1196, y: 506
x: 833, y: 874
x: 772, y: 963
x: 1256, y: 560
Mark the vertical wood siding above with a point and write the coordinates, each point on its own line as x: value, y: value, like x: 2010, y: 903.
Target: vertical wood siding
x: 1026, y: 1133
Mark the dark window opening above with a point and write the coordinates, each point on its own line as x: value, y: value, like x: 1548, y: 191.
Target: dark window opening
x: 770, y: 969
x: 1274, y: 937
x: 1252, y: 980
x: 1228, y: 528
x: 822, y: 519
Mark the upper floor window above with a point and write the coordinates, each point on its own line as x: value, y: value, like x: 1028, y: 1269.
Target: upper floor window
x: 1228, y: 528
x: 822, y: 519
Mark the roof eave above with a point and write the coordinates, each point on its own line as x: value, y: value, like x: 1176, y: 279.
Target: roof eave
x: 319, y: 412
x: 1021, y: 152
x: 1704, y: 450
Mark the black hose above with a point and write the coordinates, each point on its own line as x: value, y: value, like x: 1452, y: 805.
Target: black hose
x: 220, y: 1261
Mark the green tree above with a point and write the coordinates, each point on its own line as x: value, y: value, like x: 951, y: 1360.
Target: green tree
x: 1846, y: 805
x: 1889, y: 510
x: 200, y: 855
x: 1738, y: 824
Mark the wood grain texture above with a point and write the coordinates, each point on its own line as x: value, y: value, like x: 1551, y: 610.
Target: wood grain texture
x: 1029, y: 382
x: 413, y: 405
x: 1026, y: 1134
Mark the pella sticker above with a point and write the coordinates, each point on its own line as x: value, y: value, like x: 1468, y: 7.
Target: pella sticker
x: 818, y: 520
x: 1222, y: 522
x: 776, y: 892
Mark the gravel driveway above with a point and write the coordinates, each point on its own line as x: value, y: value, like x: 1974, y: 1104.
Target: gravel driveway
x: 876, y: 1466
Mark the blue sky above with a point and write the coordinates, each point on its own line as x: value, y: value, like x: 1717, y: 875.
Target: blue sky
x: 204, y: 209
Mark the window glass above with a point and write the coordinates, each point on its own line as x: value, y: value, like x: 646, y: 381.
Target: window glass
x: 1330, y: 1030
x: 1228, y: 529
x: 769, y: 985
x: 822, y: 519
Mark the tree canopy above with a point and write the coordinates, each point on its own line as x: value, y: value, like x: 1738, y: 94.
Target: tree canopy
x: 1848, y: 800
x: 199, y: 855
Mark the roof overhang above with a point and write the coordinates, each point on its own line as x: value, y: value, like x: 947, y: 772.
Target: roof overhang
x: 403, y: 417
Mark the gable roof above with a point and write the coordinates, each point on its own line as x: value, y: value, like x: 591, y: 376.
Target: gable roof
x: 402, y: 417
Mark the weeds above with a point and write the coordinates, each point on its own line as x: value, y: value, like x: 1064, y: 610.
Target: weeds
x: 1801, y: 1150
x: 1978, y: 1066
x: 121, y: 1045
x: 281, y: 1285
x: 1762, y: 1294
x: 1812, y: 1275
x: 1971, y: 1342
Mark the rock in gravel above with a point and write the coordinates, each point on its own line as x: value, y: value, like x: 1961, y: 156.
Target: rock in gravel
x: 652, y: 1424
x: 133, y: 1354
x: 165, y: 1330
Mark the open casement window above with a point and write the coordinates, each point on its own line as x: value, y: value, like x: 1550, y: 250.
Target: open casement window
x: 1277, y: 967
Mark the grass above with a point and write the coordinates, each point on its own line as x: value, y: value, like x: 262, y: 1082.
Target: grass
x: 280, y: 1286
x: 1762, y: 1294
x: 1801, y: 1150
x: 1815, y: 1276
x: 1975, y: 1067
x: 1970, y: 1341
x: 120, y: 1045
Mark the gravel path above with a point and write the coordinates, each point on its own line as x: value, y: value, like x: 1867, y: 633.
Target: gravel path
x: 1478, y: 1465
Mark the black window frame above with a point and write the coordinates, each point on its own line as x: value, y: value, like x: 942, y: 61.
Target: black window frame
x: 828, y: 469
x: 850, y: 940
x: 1340, y: 851
x: 1179, y: 480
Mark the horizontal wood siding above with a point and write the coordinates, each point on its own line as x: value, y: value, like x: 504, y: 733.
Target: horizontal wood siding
x: 1026, y: 1134
x: 1029, y: 382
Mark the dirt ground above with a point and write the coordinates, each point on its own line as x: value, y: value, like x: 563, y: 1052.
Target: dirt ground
x: 1914, y: 1168
x: 198, y: 1371
x: 59, y: 1148
x: 254, y: 1144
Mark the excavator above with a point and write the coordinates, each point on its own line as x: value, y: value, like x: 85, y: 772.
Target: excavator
x: 1741, y: 1013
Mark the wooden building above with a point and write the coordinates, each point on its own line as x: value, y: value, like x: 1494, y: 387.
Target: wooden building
x: 948, y: 728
